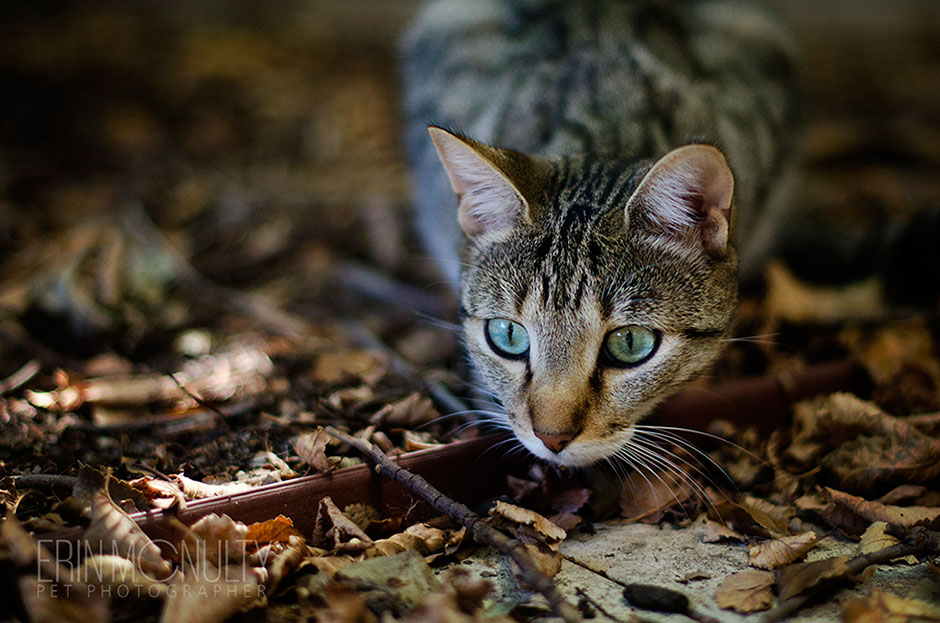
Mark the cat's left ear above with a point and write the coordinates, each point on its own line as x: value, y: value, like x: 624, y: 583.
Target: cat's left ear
x: 688, y: 194
x: 489, y: 183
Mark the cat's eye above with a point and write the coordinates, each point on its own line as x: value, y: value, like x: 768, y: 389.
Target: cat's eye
x: 507, y: 338
x: 630, y: 346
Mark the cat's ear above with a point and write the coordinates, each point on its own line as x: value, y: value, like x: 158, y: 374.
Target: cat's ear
x: 688, y: 194
x: 486, y: 182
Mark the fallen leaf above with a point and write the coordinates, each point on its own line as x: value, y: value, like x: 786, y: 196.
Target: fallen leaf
x: 405, y: 575
x: 523, y: 516
x: 883, y: 607
x: 853, y: 514
x: 874, y: 539
x: 716, y: 532
x: 646, y: 497
x: 337, y: 532
x: 411, y: 411
x: 863, y: 447
x: 796, y: 578
x: 278, y: 530
x: 782, y: 551
x: 112, y: 531
x: 350, y: 366
x: 202, y: 593
x: 218, y: 538
x: 746, y: 591
x: 195, y: 490
x: 311, y: 448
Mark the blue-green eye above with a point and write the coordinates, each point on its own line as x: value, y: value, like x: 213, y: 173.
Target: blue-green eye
x: 629, y: 346
x: 507, y: 338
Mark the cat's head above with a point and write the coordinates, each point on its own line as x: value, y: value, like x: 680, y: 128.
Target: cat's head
x: 591, y: 289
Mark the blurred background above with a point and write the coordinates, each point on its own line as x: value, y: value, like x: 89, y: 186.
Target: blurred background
x: 156, y: 156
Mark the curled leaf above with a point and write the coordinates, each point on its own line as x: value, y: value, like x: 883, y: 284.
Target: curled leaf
x: 783, y: 551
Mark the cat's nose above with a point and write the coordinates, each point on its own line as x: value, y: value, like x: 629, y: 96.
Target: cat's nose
x: 556, y: 442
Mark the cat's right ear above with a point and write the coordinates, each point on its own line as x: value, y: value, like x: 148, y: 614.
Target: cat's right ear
x: 490, y: 202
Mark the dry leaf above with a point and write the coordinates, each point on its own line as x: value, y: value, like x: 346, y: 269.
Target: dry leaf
x: 646, y: 497
x: 311, y: 448
x: 523, y: 516
x: 546, y: 560
x: 796, y: 578
x: 118, y: 575
x: 875, y: 539
x: 222, y: 539
x: 882, y: 607
x: 72, y: 606
x: 746, y: 591
x: 203, y: 593
x: 278, y: 530
x: 283, y: 562
x: 112, y: 531
x: 864, y: 447
x: 194, y: 490
x: 337, y: 532
x: 350, y: 366
x: 782, y: 551
x: 853, y: 514
x: 409, y: 412
x: 459, y: 600
x: 416, y: 440
x: 718, y: 532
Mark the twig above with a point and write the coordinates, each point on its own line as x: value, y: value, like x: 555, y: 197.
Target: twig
x: 36, y: 481
x: 919, y: 540
x: 21, y: 377
x: 481, y: 531
x: 220, y: 417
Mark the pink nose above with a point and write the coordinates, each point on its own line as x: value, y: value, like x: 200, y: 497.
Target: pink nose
x: 556, y: 442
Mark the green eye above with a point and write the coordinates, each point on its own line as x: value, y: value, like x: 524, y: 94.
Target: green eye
x: 629, y: 346
x: 507, y: 338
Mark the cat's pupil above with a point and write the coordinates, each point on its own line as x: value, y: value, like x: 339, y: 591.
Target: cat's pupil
x: 629, y: 346
x: 507, y: 338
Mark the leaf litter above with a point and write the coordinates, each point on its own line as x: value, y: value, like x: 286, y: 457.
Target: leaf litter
x: 169, y: 335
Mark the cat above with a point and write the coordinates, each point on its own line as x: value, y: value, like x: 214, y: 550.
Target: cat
x: 593, y: 174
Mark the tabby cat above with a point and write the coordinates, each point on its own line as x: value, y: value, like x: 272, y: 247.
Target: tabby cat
x: 586, y: 202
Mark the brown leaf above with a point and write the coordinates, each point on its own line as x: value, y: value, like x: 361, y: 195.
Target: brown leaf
x: 222, y: 538
x: 646, y: 497
x: 112, y: 531
x: 796, y: 578
x: 546, y: 560
x: 782, y: 551
x: 278, y: 530
x: 350, y: 366
x: 311, y: 448
x: 882, y: 607
x: 864, y: 447
x: 203, y: 593
x: 409, y: 412
x: 337, y: 532
x: 875, y: 539
x: 853, y: 514
x: 195, y: 490
x: 746, y: 591
x: 516, y: 514
x: 716, y: 532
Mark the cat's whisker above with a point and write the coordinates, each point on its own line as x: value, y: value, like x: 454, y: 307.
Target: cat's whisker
x: 437, y: 323
x: 638, y: 464
x: 645, y: 460
x: 695, y: 452
x: 755, y: 339
x: 682, y: 429
x: 676, y: 472
x: 679, y: 472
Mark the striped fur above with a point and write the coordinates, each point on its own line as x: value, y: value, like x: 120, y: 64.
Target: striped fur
x: 590, y: 222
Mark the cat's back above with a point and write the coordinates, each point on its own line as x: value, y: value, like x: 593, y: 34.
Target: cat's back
x: 622, y: 79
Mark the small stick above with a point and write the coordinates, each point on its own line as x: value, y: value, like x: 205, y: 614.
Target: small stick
x: 21, y: 377
x: 37, y: 481
x: 919, y: 540
x: 481, y: 531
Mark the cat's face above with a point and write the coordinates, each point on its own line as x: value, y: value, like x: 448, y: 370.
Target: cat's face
x: 591, y: 291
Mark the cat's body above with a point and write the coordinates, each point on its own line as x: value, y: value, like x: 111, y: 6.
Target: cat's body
x: 599, y: 273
